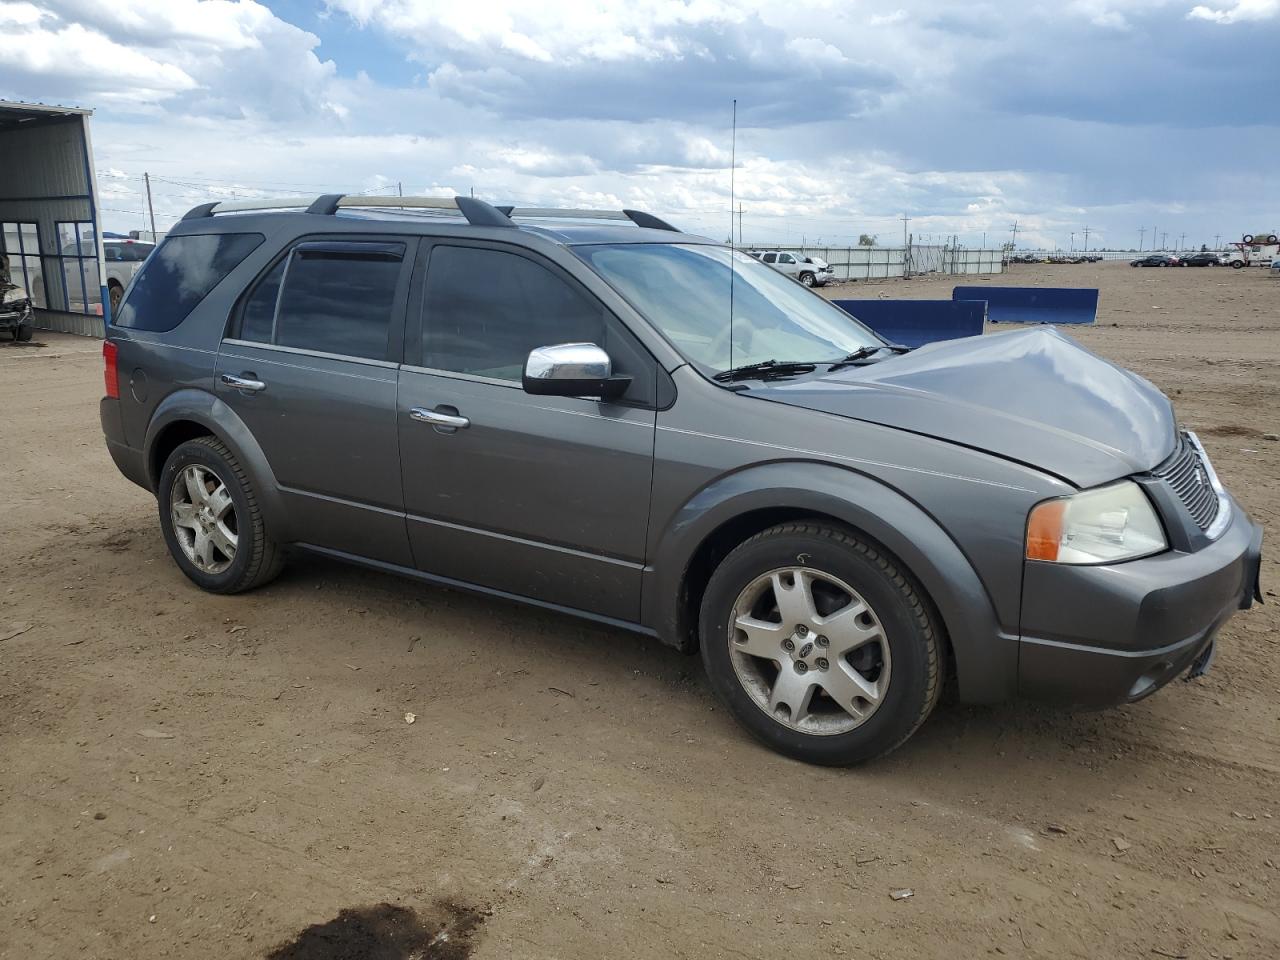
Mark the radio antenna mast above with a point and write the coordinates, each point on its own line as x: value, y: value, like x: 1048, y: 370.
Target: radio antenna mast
x: 733, y: 167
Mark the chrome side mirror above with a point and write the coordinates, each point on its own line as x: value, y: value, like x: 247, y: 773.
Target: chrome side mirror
x: 572, y: 370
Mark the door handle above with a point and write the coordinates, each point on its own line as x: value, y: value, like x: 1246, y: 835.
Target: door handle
x: 438, y: 418
x: 245, y: 383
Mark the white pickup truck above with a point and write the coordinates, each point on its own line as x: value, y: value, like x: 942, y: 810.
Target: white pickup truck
x: 811, y: 271
x: 1256, y: 250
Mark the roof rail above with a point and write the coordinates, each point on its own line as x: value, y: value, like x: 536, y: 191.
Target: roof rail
x: 477, y: 212
x: 638, y: 217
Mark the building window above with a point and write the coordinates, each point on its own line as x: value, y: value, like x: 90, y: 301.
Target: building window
x: 20, y: 243
x: 78, y: 261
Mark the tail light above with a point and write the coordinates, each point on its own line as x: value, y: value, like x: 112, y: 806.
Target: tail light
x: 110, y: 373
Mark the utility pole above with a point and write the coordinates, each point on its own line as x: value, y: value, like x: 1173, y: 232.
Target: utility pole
x: 1182, y: 242
x: 1086, y: 238
x: 905, y: 241
x: 1216, y: 238
x: 146, y: 178
x: 1164, y: 240
x: 1014, y: 243
x: 739, y: 224
x: 1142, y: 235
x: 1072, y: 248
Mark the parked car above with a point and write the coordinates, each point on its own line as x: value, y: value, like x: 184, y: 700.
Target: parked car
x: 570, y: 414
x: 1155, y: 260
x: 1258, y: 254
x: 1203, y: 259
x: 811, y: 271
x: 16, y: 315
x: 122, y: 259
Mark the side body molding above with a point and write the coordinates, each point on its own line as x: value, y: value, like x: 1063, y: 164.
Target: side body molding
x: 986, y: 659
x: 199, y: 406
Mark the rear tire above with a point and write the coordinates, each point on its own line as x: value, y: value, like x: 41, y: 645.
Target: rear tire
x: 211, y: 520
x: 1237, y: 264
x: 785, y: 679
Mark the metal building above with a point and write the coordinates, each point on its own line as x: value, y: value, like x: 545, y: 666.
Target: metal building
x: 49, y: 214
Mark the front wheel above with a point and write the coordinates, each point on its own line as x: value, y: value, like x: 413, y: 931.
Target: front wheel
x: 1237, y: 264
x: 820, y: 644
x: 23, y: 332
x: 211, y: 520
x: 807, y: 279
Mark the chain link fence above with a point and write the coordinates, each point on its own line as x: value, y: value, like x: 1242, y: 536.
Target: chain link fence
x: 880, y: 263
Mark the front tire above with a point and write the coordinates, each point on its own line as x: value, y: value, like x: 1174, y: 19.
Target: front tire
x: 807, y: 279
x: 820, y: 644
x: 24, y: 332
x: 211, y: 520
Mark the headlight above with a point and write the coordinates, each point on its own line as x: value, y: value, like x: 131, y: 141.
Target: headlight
x: 1110, y: 523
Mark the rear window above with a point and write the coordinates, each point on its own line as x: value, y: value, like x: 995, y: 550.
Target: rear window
x: 179, y: 275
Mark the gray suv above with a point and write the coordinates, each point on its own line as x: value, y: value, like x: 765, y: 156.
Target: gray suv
x: 597, y: 413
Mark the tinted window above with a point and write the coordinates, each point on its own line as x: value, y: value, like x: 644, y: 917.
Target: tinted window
x: 179, y: 276
x: 260, y: 308
x: 338, y: 298
x: 484, y: 310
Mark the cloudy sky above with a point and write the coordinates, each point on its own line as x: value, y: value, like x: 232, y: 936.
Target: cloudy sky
x: 964, y: 116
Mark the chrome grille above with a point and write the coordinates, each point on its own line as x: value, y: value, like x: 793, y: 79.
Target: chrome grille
x: 1189, y: 477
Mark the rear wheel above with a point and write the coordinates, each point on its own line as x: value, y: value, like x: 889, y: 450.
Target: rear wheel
x: 820, y: 645
x: 1237, y: 264
x: 211, y: 520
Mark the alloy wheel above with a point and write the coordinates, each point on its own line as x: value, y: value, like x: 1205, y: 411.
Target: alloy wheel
x: 809, y: 651
x: 204, y: 518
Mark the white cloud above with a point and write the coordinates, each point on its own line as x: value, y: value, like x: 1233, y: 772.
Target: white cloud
x: 1237, y: 11
x: 963, y: 117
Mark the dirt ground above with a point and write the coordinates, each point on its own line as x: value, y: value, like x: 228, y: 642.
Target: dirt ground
x: 184, y: 775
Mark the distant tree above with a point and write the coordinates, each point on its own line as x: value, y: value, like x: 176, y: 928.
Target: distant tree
x: 867, y: 240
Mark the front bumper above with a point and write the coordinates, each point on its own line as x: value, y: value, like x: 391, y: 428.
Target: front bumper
x: 1114, y: 633
x: 11, y: 316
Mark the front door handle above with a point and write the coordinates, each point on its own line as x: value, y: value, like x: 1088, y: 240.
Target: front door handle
x: 439, y: 418
x: 244, y: 382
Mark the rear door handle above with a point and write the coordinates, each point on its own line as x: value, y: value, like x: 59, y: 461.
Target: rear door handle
x: 438, y: 418
x: 244, y: 382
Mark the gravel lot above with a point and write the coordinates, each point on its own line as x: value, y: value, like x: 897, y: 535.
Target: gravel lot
x: 187, y: 775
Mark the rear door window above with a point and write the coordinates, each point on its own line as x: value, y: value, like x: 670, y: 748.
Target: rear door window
x: 334, y: 297
x: 183, y: 271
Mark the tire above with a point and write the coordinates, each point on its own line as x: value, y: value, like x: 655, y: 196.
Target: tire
x: 807, y: 279
x: 1237, y: 264
x: 254, y: 558
x: 115, y: 293
x: 24, y: 332
x: 1271, y: 238
x: 896, y: 641
x: 1247, y: 238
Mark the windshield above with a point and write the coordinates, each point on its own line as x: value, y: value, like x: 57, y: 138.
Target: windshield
x: 684, y: 292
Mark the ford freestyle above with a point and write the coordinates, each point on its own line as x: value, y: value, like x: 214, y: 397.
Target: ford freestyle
x: 597, y: 413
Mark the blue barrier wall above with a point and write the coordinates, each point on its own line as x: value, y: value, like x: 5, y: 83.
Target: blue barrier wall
x: 1034, y: 304
x: 913, y: 323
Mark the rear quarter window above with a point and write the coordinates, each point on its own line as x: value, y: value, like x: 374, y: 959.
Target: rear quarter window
x: 179, y: 275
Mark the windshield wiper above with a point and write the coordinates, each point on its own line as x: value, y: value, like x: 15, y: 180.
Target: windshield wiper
x: 866, y: 353
x: 763, y: 370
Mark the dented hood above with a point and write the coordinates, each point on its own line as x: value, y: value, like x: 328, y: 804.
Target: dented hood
x: 1034, y: 396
